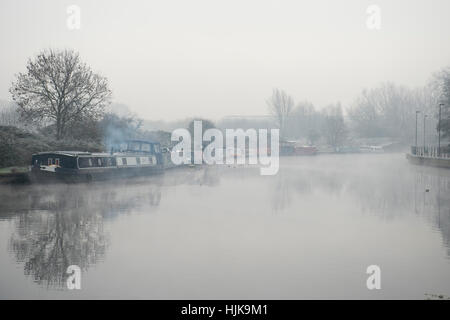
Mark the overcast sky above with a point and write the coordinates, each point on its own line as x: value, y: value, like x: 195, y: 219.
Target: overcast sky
x: 173, y: 59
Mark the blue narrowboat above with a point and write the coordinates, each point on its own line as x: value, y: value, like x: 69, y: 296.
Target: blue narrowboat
x: 127, y: 159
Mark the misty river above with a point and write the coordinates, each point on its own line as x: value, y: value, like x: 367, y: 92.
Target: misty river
x: 226, y: 232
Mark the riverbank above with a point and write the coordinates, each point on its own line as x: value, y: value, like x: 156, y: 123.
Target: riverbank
x: 440, y: 162
x: 14, y: 175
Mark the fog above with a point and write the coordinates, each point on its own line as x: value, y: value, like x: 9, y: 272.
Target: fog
x: 176, y: 59
x: 226, y: 232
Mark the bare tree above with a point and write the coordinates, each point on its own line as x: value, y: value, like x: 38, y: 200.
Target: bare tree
x: 302, y: 120
x: 280, y: 106
x: 389, y: 111
x: 440, y: 85
x: 9, y: 115
x: 60, y: 88
x: 335, y: 128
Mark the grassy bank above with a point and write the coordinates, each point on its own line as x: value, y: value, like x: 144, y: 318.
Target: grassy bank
x: 17, y: 146
x: 14, y: 175
x: 9, y: 170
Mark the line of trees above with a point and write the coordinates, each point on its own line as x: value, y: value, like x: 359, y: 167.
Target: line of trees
x: 387, y: 111
x: 304, y: 121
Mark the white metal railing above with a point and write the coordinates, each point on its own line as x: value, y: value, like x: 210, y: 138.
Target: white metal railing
x: 429, y: 152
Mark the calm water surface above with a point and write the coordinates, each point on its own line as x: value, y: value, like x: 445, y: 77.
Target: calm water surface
x: 228, y: 233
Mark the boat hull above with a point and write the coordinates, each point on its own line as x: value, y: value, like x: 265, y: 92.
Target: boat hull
x: 87, y: 175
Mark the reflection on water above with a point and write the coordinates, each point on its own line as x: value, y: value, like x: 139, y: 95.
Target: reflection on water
x: 386, y: 191
x: 59, y: 225
x: 432, y: 198
x: 54, y: 226
x: 47, y: 242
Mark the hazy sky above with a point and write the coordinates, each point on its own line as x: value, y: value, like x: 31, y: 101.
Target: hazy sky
x: 173, y: 59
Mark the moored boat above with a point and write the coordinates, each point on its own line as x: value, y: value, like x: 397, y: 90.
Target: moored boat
x: 131, y: 158
x: 294, y: 148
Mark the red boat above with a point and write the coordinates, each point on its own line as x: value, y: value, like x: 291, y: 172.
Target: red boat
x: 305, y: 150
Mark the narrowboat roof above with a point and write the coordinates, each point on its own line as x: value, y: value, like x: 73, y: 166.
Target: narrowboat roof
x: 84, y: 153
x: 97, y: 154
x: 66, y: 153
x: 143, y: 141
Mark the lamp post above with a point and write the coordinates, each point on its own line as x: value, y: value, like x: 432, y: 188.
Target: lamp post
x: 424, y: 122
x: 439, y: 130
x: 415, y: 146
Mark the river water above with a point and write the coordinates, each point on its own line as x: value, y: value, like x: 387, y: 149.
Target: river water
x: 226, y: 232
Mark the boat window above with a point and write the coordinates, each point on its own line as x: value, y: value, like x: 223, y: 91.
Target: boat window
x: 57, y: 161
x: 123, y: 147
x: 156, y: 147
x: 146, y: 147
x: 50, y: 161
x: 150, y: 160
x: 124, y: 161
x: 107, y: 162
x: 134, y: 146
x: 84, y: 162
x: 97, y: 162
x: 138, y: 160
